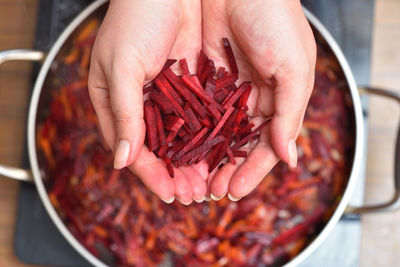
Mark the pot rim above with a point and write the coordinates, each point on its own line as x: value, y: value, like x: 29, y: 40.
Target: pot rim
x: 37, y: 175
x: 359, y: 141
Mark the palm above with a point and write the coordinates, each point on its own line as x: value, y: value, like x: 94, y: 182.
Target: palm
x: 248, y: 30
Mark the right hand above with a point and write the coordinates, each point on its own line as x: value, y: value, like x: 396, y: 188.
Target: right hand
x: 133, y: 43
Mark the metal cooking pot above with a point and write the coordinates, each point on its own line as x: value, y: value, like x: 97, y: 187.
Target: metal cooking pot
x: 35, y: 175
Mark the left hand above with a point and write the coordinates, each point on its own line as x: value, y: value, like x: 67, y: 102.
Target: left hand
x: 275, y: 48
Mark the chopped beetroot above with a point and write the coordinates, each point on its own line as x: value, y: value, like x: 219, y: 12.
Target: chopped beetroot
x: 160, y: 128
x: 246, y: 139
x: 208, y: 71
x: 221, y: 95
x: 220, y: 73
x: 210, y: 86
x: 168, y: 64
x: 201, y: 63
x: 200, y: 92
x: 192, y: 142
x: 230, y: 155
x: 185, y: 92
x: 194, y: 116
x: 214, y: 111
x: 151, y: 126
x: 166, y: 88
x: 148, y: 88
x: 184, y: 66
x: 231, y: 57
x: 162, y: 101
x: 242, y: 88
x: 221, y: 122
x: 170, y: 169
x: 170, y: 122
x: 239, y: 153
x: 205, y: 147
x: 225, y: 81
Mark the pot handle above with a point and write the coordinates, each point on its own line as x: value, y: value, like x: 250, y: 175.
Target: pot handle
x: 25, y: 55
x: 394, y: 203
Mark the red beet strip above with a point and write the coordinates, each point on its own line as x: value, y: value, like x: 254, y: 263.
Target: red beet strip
x: 214, y: 111
x: 151, y: 125
x: 160, y: 128
x: 221, y: 95
x: 230, y: 155
x: 210, y: 86
x: 205, y: 147
x: 162, y: 101
x: 224, y: 82
x: 246, y: 129
x: 192, y: 117
x: 148, y: 89
x: 185, y: 92
x: 166, y: 88
x: 246, y: 139
x: 191, y: 143
x: 220, y: 73
x: 184, y: 66
x: 170, y: 168
x: 208, y: 71
x: 242, y: 88
x: 199, y: 91
x: 231, y: 57
x: 221, y: 123
x: 170, y: 121
x: 218, y: 156
x: 201, y: 63
x: 168, y: 64
x: 239, y: 153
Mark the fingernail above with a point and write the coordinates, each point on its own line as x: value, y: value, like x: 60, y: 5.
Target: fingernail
x: 292, y: 150
x: 214, y: 197
x: 199, y: 200
x: 233, y: 198
x: 207, y: 199
x: 186, y: 203
x: 169, y: 201
x: 121, y: 154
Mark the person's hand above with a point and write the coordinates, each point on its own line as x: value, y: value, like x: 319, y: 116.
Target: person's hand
x: 275, y: 48
x: 132, y: 45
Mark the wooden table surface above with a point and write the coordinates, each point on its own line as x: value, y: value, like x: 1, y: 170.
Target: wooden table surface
x: 381, y: 232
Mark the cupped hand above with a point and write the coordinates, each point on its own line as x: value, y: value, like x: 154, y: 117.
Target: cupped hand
x: 133, y: 43
x: 275, y: 48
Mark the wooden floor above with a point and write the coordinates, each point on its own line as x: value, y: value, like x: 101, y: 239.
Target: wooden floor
x: 381, y: 232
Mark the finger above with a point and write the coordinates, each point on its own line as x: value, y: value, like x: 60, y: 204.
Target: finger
x: 126, y: 100
x: 291, y: 98
x: 220, y: 181
x: 197, y: 182
x: 100, y: 97
x: 258, y: 163
x: 183, y: 188
x: 154, y: 175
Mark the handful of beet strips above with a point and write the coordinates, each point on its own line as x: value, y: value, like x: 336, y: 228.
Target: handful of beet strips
x: 196, y: 116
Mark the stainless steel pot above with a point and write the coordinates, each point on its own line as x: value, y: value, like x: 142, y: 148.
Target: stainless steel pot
x: 34, y: 175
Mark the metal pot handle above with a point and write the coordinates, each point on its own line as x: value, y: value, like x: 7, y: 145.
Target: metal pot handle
x: 394, y: 203
x: 25, y: 55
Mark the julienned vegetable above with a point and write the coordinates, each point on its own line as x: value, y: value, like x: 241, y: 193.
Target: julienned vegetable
x: 211, y: 108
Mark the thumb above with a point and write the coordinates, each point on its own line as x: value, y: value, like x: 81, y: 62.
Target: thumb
x: 126, y: 99
x: 290, y: 97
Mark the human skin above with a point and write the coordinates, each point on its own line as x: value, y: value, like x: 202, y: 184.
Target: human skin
x: 274, y: 47
x: 133, y: 43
